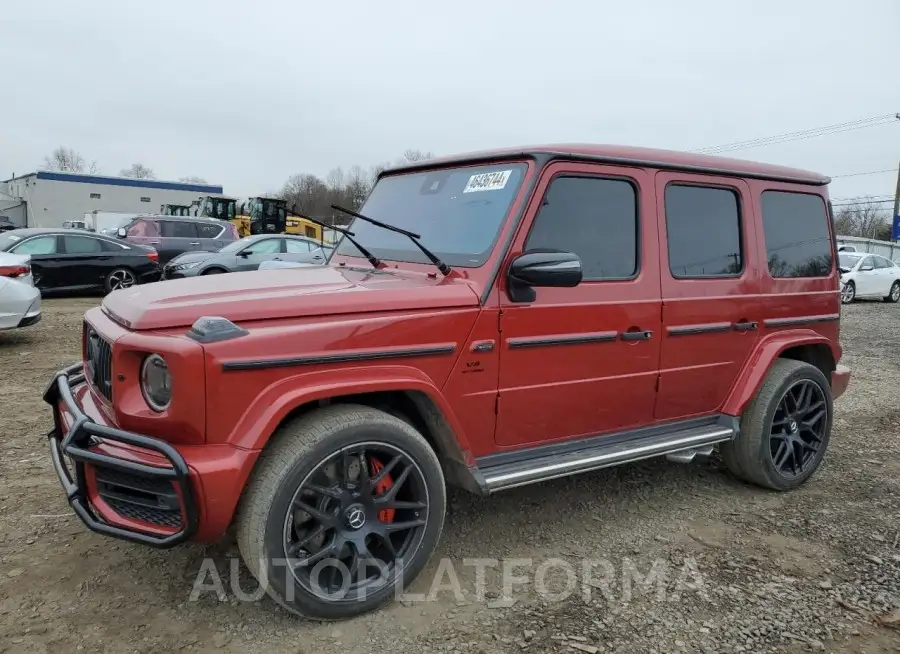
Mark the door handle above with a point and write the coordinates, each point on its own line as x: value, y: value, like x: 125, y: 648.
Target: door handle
x: 637, y: 336
x: 195, y: 243
x: 153, y: 242
x: 745, y: 326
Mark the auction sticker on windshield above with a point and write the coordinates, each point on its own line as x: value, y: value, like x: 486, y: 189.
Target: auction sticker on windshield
x: 487, y: 181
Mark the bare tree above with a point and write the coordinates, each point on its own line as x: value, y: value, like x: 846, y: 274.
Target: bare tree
x: 138, y: 171
x: 864, y: 217
x: 68, y: 160
x: 411, y: 156
x: 192, y: 180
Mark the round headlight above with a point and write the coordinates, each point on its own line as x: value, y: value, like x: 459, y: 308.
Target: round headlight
x: 156, y: 383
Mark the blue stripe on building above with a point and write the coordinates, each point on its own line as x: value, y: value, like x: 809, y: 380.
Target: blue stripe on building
x: 137, y: 183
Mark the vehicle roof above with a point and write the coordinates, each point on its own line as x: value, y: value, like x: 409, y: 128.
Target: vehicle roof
x: 632, y: 156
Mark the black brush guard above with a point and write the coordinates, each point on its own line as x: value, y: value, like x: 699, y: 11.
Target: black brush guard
x: 75, y: 445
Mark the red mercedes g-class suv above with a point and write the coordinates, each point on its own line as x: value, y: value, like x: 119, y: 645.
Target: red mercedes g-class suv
x: 487, y: 321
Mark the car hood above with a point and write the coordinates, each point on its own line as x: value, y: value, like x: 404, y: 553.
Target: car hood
x: 190, y: 257
x: 285, y: 293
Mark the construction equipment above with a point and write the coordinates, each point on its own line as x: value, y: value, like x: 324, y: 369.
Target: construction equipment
x: 175, y: 209
x: 263, y: 215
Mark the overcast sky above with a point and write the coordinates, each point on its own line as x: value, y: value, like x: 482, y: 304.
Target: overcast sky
x: 247, y: 93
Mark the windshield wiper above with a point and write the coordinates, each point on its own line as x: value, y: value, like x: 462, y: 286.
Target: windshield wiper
x: 346, y: 232
x: 443, y: 267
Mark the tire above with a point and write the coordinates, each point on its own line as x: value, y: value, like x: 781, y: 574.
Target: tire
x: 118, y: 279
x: 753, y: 455
x: 894, y: 293
x: 848, y: 293
x: 213, y: 271
x: 303, y: 449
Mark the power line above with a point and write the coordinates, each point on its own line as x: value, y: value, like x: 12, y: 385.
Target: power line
x: 872, y: 121
x: 871, y: 172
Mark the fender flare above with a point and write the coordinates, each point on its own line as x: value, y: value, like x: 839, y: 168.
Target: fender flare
x: 766, y: 352
x: 277, y: 401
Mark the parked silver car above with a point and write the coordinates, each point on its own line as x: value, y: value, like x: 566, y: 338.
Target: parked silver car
x: 247, y: 254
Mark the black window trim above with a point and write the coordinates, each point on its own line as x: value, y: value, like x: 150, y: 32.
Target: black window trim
x: 829, y: 225
x: 740, y: 216
x: 638, y: 222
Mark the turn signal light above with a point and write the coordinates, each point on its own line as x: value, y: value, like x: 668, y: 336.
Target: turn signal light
x: 14, y: 271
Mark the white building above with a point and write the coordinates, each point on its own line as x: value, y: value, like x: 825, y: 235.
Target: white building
x: 47, y: 199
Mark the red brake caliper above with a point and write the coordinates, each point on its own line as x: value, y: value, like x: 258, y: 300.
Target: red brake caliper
x: 386, y: 515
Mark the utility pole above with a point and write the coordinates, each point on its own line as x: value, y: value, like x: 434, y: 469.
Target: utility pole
x: 895, y: 217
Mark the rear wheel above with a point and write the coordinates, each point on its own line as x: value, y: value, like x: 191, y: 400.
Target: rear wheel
x: 345, y: 507
x: 894, y: 293
x: 785, y: 430
x: 120, y: 278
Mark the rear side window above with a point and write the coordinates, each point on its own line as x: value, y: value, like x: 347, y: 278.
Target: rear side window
x: 594, y: 218
x: 798, y: 243
x: 39, y: 245
x: 144, y: 228
x: 704, y: 231
x: 82, y: 245
x: 295, y: 247
x: 179, y: 229
x: 208, y: 230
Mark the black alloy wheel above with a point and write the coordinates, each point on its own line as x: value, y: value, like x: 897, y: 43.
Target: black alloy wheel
x: 798, y: 428
x: 355, y: 518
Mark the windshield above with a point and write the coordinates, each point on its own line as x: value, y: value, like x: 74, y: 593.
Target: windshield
x: 457, y: 211
x: 848, y: 260
x: 8, y: 239
x: 234, y: 246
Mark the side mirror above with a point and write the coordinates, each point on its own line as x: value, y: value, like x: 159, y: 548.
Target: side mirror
x: 865, y: 268
x: 245, y: 253
x: 536, y: 269
x: 121, y: 232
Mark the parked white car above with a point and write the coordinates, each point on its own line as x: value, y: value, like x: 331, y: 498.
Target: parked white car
x: 868, y: 276
x: 20, y: 301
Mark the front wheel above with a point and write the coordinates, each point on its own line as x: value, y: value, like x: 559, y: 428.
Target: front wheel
x: 344, y: 509
x: 848, y: 293
x: 785, y: 430
x: 894, y: 293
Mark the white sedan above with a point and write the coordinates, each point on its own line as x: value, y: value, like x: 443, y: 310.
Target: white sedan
x: 20, y: 301
x: 868, y: 276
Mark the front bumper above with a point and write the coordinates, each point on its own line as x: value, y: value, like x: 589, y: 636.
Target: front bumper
x: 132, y: 488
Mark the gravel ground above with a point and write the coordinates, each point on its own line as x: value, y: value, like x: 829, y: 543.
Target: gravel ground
x: 684, y: 558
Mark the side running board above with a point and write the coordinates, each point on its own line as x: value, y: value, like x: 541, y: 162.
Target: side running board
x: 680, y: 445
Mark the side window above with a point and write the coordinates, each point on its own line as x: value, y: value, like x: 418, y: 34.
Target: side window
x: 39, y: 245
x: 208, y: 230
x: 267, y: 246
x: 703, y: 227
x: 881, y: 262
x: 594, y: 218
x: 146, y: 228
x: 81, y: 245
x: 798, y: 243
x: 296, y: 247
x: 179, y: 229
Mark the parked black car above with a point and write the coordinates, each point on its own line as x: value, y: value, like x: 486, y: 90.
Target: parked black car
x: 76, y: 260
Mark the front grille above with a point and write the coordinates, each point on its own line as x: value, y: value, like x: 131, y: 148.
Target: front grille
x: 98, y: 360
x: 139, y: 498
